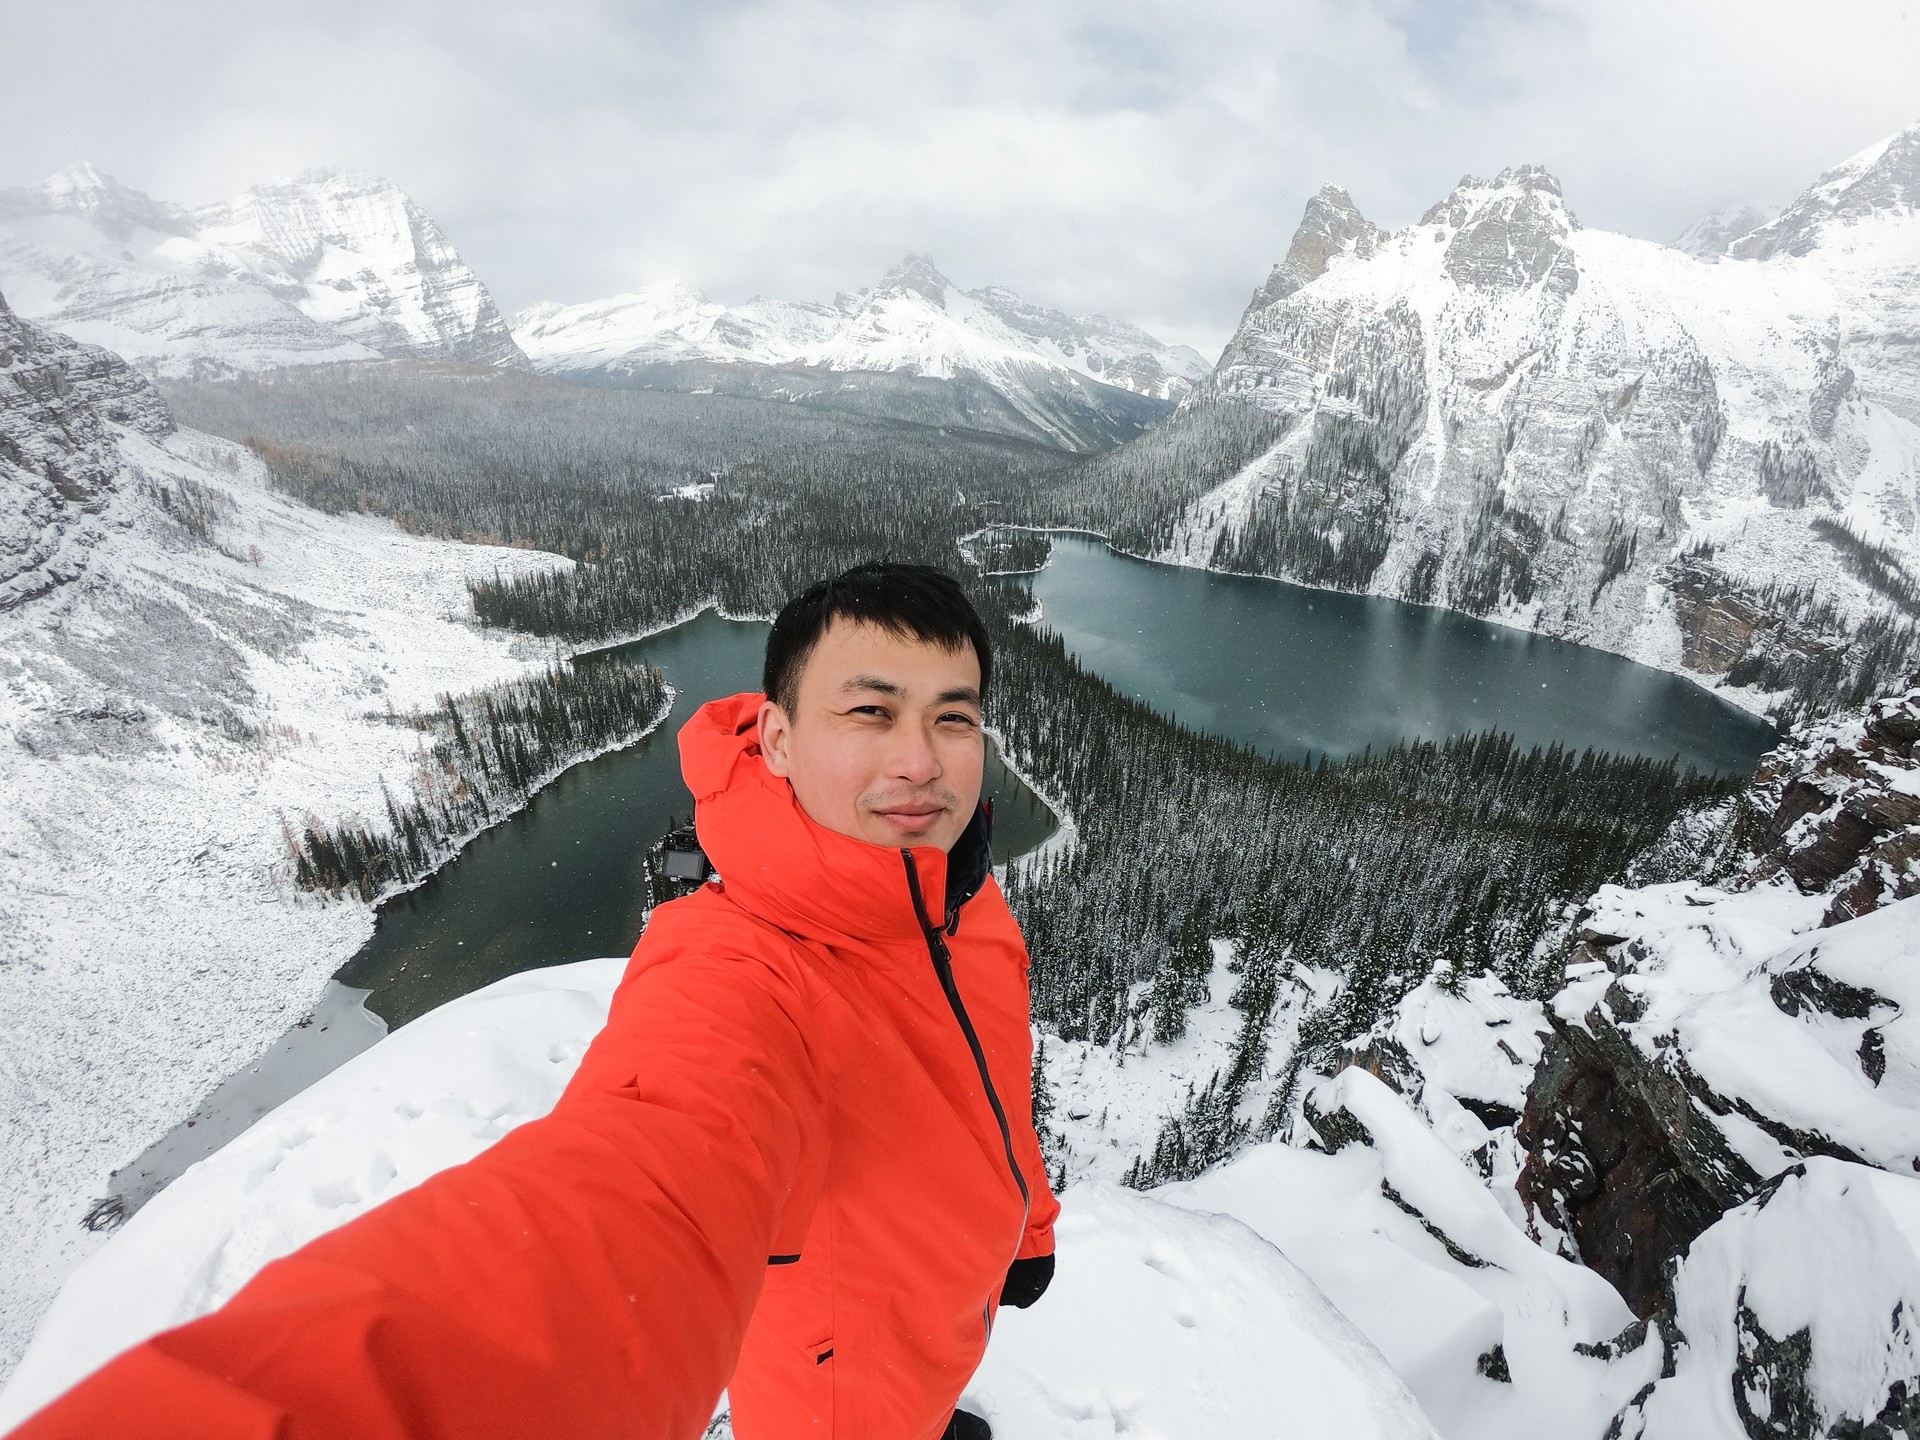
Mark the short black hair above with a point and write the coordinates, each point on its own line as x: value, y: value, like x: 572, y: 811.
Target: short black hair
x: 914, y: 601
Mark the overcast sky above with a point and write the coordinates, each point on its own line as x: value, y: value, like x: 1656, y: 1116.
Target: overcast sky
x: 1145, y: 160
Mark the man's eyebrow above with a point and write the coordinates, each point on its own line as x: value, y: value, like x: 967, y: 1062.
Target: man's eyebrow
x: 873, y: 682
x: 959, y: 694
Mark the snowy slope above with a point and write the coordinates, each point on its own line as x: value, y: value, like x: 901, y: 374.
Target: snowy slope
x: 321, y: 268
x: 1710, y: 235
x: 1056, y: 371
x: 1160, y: 1320
x: 187, y: 661
x: 1501, y: 410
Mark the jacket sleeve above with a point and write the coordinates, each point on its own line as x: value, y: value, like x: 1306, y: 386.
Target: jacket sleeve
x: 590, y: 1275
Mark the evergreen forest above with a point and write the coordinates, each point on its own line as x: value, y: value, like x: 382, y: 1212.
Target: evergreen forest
x: 485, y: 754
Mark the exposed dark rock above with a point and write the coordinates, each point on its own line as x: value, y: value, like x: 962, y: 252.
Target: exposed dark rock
x: 1873, y: 1055
x: 1625, y: 1343
x: 1491, y: 1113
x: 1330, y: 226
x: 1771, y: 1393
x: 1718, y: 626
x: 1385, y: 1059
x: 59, y: 460
x: 1336, y: 1129
x: 1622, y: 1159
x: 1839, y: 824
x: 1797, y: 991
x: 1493, y: 1365
x: 1900, y: 1416
x: 1458, y: 1252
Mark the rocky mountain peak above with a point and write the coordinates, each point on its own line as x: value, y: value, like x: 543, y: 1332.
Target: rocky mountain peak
x: 1711, y: 236
x: 1509, y: 232
x: 918, y: 275
x: 1530, y: 189
x: 1331, y: 225
x: 1882, y: 179
x: 60, y: 461
x: 372, y: 264
x: 81, y: 190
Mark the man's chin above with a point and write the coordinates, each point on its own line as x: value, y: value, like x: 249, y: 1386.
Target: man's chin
x: 897, y: 829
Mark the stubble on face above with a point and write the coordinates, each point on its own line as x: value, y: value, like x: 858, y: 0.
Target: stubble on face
x: 885, y: 744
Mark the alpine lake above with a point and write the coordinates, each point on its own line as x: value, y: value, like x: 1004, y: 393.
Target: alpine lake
x: 1297, y: 672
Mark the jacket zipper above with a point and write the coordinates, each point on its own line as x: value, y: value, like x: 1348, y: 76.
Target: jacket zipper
x: 943, y: 968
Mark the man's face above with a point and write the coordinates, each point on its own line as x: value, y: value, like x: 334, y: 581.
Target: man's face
x: 884, y: 743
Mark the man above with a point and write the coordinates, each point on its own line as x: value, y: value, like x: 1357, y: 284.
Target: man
x: 799, y: 1162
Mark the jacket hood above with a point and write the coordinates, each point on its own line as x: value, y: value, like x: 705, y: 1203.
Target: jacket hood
x: 784, y: 866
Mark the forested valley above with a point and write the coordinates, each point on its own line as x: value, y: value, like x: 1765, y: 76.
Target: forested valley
x: 1445, y: 860
x: 487, y: 752
x: 671, y: 501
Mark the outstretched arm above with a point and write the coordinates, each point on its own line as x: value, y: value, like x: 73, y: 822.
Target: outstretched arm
x: 590, y: 1275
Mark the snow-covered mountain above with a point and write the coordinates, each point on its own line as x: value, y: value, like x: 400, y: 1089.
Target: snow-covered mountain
x: 1712, y: 234
x: 1503, y: 411
x: 321, y: 268
x: 188, y: 662
x: 915, y: 345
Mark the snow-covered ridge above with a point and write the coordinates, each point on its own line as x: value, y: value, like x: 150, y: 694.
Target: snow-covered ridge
x: 188, y: 663
x: 321, y: 268
x: 1504, y: 411
x: 1047, y: 364
x: 1162, y: 1320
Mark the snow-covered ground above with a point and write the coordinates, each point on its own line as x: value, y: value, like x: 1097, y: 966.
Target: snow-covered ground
x: 163, y: 717
x: 1163, y: 1319
x: 1381, y: 1289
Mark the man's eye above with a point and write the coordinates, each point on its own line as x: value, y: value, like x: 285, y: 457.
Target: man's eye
x: 870, y: 710
x: 959, y: 715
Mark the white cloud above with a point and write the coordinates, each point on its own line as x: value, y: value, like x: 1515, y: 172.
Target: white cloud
x: 1136, y: 157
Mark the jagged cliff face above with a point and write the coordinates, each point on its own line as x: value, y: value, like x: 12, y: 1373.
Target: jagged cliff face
x: 1500, y: 410
x: 59, y: 463
x: 322, y: 268
x: 1726, y: 1119
x: 916, y: 345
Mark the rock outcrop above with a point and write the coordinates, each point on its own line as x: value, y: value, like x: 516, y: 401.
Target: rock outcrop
x: 1711, y: 1037
x: 1801, y: 1312
x: 60, y: 403
x: 1842, y: 809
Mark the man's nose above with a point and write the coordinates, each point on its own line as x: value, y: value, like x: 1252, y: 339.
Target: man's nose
x: 913, y: 757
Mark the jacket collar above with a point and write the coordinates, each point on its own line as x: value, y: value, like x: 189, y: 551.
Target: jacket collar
x: 782, y: 865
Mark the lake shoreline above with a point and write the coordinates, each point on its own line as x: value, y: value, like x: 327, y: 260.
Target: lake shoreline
x: 1753, y: 702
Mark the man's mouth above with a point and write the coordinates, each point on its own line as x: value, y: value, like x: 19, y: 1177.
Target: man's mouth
x: 913, y: 816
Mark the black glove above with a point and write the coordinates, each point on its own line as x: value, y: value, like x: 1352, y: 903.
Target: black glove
x: 1027, y: 1281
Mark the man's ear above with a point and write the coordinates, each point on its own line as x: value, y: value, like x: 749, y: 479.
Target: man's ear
x: 776, y: 739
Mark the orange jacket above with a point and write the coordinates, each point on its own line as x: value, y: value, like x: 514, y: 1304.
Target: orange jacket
x: 780, y: 1166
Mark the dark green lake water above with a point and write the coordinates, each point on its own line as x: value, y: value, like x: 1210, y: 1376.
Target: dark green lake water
x: 562, y: 879
x: 1301, y: 672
